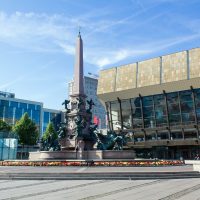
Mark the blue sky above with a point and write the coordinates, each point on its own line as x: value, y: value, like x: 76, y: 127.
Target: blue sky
x: 37, y: 39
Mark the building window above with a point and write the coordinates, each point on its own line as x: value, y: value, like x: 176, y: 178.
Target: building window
x: 197, y: 100
x: 160, y: 110
x: 14, y: 104
x: 9, y: 115
x: 126, y: 114
x: 36, y: 116
x: 1, y: 111
x: 4, y: 103
x: 18, y: 113
x: 187, y: 107
x: 115, y: 114
x: 23, y: 105
x: 31, y: 106
x: 137, y: 113
x: 173, y: 108
x: 38, y: 107
x: 148, y: 110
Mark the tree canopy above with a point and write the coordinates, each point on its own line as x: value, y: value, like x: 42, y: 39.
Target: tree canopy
x: 50, y: 131
x: 5, y: 126
x: 26, y: 130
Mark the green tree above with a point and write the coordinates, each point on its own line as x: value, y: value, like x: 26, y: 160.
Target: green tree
x: 26, y: 130
x: 5, y: 126
x: 50, y: 131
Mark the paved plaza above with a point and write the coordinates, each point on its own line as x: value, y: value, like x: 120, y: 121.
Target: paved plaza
x: 165, y: 189
x: 183, y: 189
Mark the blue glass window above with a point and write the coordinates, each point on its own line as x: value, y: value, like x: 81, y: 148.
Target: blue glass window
x: 14, y: 104
x: 137, y: 113
x: 23, y: 105
x: 174, y: 119
x: 187, y: 106
x: 31, y: 106
x: 198, y: 113
x: 159, y: 100
x: 8, y: 112
x: 18, y: 113
x: 147, y: 101
x: 197, y: 95
x: 186, y: 96
x: 197, y: 100
x: 161, y: 121
x: 4, y: 103
x: 1, y: 111
x: 160, y: 111
x: 36, y: 116
x: 38, y: 107
x: 148, y: 111
x: 174, y: 108
x: 46, y: 117
x: 172, y: 98
x: 9, y: 115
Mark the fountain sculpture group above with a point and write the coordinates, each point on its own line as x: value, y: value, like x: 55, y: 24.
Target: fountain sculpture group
x: 77, y: 135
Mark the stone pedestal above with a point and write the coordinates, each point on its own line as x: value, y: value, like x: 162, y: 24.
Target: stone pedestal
x: 82, y: 155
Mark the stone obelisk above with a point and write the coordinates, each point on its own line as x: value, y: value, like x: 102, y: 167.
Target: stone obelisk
x: 78, y: 119
x: 78, y: 88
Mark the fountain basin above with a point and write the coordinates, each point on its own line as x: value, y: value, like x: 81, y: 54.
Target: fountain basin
x: 87, y: 155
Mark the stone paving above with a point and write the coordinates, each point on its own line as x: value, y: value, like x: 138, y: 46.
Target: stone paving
x: 183, y: 189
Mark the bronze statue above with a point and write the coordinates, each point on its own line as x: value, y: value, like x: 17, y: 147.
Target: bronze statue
x: 111, y: 141
x: 90, y: 103
x: 62, y: 132
x: 80, y: 103
x: 66, y: 102
x: 80, y: 125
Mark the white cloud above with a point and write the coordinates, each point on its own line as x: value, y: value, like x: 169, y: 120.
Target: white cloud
x: 56, y: 33
x: 34, y: 31
x: 161, y: 45
x: 69, y: 49
x: 110, y: 57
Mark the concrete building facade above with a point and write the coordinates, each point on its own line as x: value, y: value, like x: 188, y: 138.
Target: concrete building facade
x: 156, y: 101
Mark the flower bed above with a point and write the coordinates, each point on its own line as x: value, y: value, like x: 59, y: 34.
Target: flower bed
x: 134, y: 163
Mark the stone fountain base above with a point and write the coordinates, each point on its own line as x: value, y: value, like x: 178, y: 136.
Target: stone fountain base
x: 85, y: 155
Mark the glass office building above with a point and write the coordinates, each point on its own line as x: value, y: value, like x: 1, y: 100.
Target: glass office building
x: 53, y: 116
x: 156, y: 102
x: 12, y: 109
